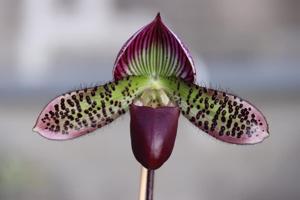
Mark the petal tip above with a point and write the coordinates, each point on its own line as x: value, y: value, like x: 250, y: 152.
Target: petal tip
x: 158, y: 17
x: 42, y: 132
x: 35, y: 129
x: 258, y: 139
x: 265, y: 135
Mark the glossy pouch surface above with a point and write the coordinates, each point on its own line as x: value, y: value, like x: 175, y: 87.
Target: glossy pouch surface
x: 153, y: 133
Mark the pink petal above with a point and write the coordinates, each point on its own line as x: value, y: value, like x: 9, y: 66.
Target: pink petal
x: 221, y: 115
x: 80, y: 112
x: 156, y: 51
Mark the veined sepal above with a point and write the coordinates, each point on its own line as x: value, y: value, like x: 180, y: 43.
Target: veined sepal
x: 154, y: 51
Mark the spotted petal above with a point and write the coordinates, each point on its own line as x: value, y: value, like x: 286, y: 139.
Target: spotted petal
x: 80, y: 112
x: 155, y: 51
x: 222, y: 115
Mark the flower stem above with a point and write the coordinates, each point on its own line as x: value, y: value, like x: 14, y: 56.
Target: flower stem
x: 146, y: 184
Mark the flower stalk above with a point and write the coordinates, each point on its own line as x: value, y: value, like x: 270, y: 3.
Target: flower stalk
x: 146, y: 184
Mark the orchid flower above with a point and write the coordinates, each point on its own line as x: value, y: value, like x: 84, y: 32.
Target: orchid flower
x: 154, y: 78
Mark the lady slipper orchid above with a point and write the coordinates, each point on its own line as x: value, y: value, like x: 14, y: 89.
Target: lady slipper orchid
x: 154, y: 78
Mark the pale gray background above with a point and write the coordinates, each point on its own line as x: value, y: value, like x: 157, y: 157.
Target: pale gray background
x: 250, y: 48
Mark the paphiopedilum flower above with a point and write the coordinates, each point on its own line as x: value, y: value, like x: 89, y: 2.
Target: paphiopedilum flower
x: 154, y: 78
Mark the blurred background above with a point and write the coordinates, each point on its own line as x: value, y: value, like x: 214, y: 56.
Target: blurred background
x: 250, y: 48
